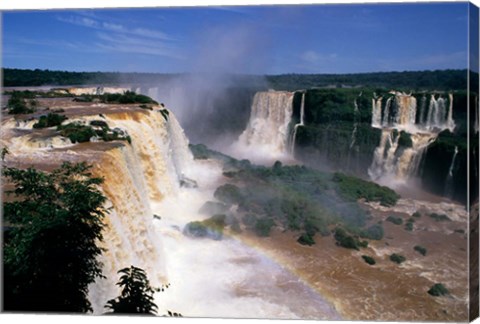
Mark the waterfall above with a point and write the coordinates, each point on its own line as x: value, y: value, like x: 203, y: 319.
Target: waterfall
x: 355, y: 124
x: 438, y: 117
x: 449, y: 180
x: 266, y: 136
x: 386, y: 113
x: 129, y: 236
x: 392, y: 161
x: 353, y: 137
x: 377, y: 112
x: 302, y: 123
x: 406, y: 107
x: 137, y: 176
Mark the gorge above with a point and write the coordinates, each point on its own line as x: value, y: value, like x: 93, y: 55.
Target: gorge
x: 156, y: 186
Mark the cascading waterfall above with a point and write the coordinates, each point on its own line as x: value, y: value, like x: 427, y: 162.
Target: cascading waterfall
x: 129, y: 238
x: 386, y: 114
x: 377, y: 112
x: 392, y: 161
x: 302, y: 123
x: 449, y: 181
x: 137, y: 175
x: 266, y: 136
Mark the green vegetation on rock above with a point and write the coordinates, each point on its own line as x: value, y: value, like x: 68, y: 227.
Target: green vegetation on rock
x: 306, y: 239
x: 439, y: 217
x: 49, y: 120
x: 420, y: 249
x: 77, y: 132
x: 395, y: 220
x: 417, y: 214
x: 374, y: 232
x: 438, y: 289
x: 348, y: 241
x: 368, y: 259
x: 299, y: 199
x: 80, y: 133
x: 397, y: 258
x: 353, y: 188
x: 211, y: 228
x: 128, y: 97
x: 21, y: 103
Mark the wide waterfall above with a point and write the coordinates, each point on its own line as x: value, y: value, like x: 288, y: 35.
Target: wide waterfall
x: 407, y: 131
x: 267, y: 134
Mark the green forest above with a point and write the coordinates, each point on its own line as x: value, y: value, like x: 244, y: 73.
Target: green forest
x: 428, y: 80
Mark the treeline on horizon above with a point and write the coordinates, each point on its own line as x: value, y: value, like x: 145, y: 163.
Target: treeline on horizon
x: 408, y: 80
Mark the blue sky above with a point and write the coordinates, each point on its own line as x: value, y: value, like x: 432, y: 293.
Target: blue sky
x: 259, y: 40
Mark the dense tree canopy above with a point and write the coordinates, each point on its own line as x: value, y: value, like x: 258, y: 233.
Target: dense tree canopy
x: 54, y: 223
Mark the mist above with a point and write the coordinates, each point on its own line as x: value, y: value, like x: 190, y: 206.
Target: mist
x: 212, y: 100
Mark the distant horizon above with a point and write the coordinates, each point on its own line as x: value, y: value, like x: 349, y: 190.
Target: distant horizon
x: 238, y: 73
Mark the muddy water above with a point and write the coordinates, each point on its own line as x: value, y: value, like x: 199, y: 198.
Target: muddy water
x: 386, y: 291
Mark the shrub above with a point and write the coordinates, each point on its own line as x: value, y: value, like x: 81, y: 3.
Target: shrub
x: 49, y: 121
x: 438, y: 289
x: 77, y: 132
x: 263, y: 227
x: 212, y: 207
x: 211, y: 228
x: 345, y: 240
x: 374, y: 232
x: 229, y: 194
x: 368, y: 259
x: 17, y: 104
x: 397, y: 258
x: 439, y: 218
x: 417, y: 214
x: 395, y: 220
x: 306, y: 239
x: 409, y: 226
x: 420, y: 249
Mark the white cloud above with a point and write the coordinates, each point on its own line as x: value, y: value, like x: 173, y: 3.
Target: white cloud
x: 127, y: 44
x: 113, y: 27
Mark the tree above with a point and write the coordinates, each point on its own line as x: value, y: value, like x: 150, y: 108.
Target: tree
x: 50, y: 247
x: 137, y: 294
